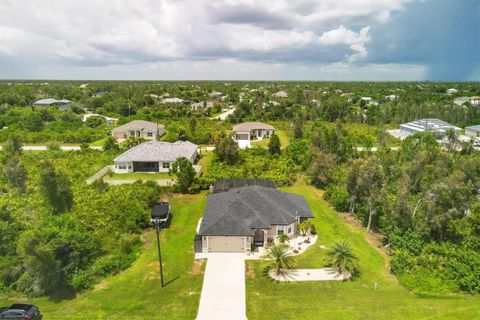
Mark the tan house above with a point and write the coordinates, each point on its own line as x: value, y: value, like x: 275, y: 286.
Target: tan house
x: 241, y: 219
x: 247, y: 131
x: 139, y: 129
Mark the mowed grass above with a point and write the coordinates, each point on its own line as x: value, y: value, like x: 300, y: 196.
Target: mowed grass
x: 136, y: 293
x: 139, y: 176
x: 357, y: 299
x: 282, y: 136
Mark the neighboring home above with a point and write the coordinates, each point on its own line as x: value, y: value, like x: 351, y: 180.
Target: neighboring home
x: 202, y: 105
x: 139, y: 129
x: 172, y: 100
x: 84, y: 86
x: 154, y: 156
x: 474, y: 101
x: 473, y: 131
x: 243, y: 218
x: 247, y: 131
x: 63, y: 104
x: 280, y: 94
x: 435, y: 126
x: 391, y: 97
x: 108, y: 120
x: 452, y: 90
x: 215, y: 94
x: 98, y: 94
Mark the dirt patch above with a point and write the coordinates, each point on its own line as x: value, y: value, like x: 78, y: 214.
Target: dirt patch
x: 146, y: 239
x: 100, y: 286
x: 154, y: 271
x: 197, y: 267
x: 249, y: 270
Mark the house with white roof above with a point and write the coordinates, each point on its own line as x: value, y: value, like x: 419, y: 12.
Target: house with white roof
x: 435, y: 126
x: 452, y: 90
x: 280, y: 94
x: 154, y: 156
x: 245, y: 132
x: 473, y: 131
x: 474, y: 101
x: 108, y: 120
x: 139, y: 129
x: 62, y: 104
x: 172, y: 100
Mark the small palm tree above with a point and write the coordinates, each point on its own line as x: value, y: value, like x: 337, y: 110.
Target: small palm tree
x: 283, y: 238
x: 342, y: 258
x: 282, y: 261
x: 304, y: 227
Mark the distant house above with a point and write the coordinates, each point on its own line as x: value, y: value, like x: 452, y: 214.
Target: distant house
x: 98, y: 94
x: 391, y: 97
x: 473, y: 131
x: 474, y: 101
x: 245, y: 132
x: 452, y: 90
x: 280, y: 94
x: 108, y: 120
x: 139, y: 129
x: 240, y: 219
x: 215, y: 94
x: 435, y: 126
x: 172, y: 100
x: 202, y: 105
x: 154, y: 156
x: 63, y: 104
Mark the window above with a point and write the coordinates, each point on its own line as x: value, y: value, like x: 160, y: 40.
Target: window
x: 280, y: 230
x: 149, y: 134
x: 289, y: 230
x: 131, y: 133
x: 166, y: 165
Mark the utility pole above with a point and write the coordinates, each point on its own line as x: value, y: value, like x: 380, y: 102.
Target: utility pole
x: 158, y: 225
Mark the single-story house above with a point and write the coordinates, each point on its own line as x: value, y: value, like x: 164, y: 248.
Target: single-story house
x: 243, y: 218
x: 172, y: 100
x: 435, y: 126
x: 473, y: 131
x: 451, y: 90
x: 247, y: 131
x: 62, y: 104
x: 280, y: 94
x: 108, y: 120
x: 474, y: 101
x: 139, y: 129
x: 154, y: 156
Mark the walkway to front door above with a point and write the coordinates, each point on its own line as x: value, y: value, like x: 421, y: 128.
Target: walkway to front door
x: 223, y: 292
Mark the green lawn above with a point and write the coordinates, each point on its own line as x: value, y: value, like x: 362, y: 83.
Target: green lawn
x: 136, y: 292
x: 284, y: 140
x: 139, y: 176
x: 346, y: 300
x: 206, y: 159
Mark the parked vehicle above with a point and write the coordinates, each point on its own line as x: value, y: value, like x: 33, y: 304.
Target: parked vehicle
x: 19, y: 311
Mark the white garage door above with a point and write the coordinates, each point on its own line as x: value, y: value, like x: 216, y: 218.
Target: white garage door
x: 225, y: 244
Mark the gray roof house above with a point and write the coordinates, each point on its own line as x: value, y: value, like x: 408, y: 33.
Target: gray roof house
x: 154, y: 156
x: 247, y: 131
x: 241, y: 218
x: 139, y: 129
x: 435, y: 126
x: 62, y: 104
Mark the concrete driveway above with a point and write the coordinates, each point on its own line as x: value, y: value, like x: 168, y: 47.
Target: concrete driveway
x: 223, y: 292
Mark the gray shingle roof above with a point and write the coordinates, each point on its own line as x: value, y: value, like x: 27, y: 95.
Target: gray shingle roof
x: 249, y: 126
x: 239, y: 211
x: 138, y: 125
x: 159, y: 151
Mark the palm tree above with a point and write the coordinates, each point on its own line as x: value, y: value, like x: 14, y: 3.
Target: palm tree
x: 342, y: 258
x: 283, y: 238
x: 282, y: 260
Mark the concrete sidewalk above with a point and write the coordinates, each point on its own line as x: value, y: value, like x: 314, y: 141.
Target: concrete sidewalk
x: 223, y: 291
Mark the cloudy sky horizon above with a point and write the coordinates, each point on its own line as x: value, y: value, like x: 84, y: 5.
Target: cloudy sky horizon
x: 394, y: 40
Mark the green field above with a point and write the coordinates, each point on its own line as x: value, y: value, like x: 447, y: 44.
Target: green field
x: 136, y: 293
x: 355, y: 299
x: 282, y: 136
x: 139, y: 176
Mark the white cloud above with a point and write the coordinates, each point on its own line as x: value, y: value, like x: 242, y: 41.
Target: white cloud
x: 116, y: 32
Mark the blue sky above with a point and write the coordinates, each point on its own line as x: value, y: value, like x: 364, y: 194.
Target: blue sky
x: 240, y: 39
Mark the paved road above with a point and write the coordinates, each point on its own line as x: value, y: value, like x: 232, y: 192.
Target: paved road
x: 223, y: 292
x: 63, y: 148
x: 224, y: 115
